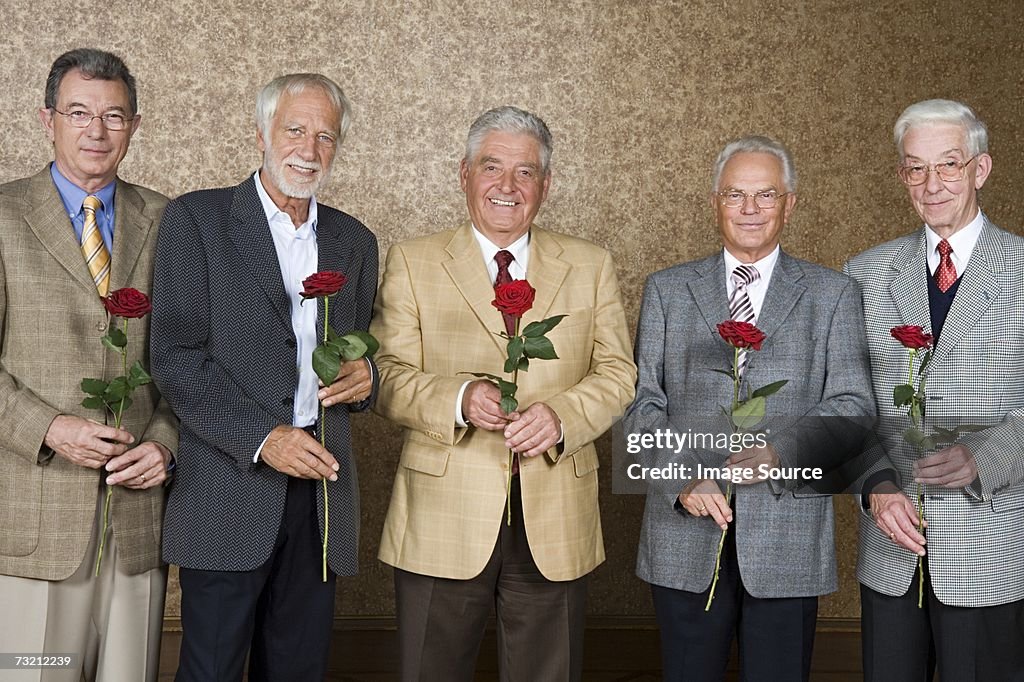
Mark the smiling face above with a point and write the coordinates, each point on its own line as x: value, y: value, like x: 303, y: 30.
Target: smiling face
x: 750, y: 233
x: 89, y: 156
x: 300, y: 145
x: 945, y: 206
x: 505, y: 185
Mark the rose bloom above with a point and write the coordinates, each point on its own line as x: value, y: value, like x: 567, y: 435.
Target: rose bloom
x: 912, y: 336
x: 324, y: 283
x: 514, y: 298
x: 128, y: 303
x: 741, y: 334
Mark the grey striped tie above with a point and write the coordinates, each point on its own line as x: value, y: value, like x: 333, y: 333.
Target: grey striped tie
x: 740, y: 307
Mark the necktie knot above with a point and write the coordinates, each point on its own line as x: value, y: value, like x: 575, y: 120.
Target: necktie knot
x: 91, y: 203
x: 744, y: 275
x: 504, y: 259
x: 945, y: 249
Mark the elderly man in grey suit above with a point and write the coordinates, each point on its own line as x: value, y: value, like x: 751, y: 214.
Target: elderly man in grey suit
x: 959, y: 277
x: 58, y: 458
x: 778, y: 554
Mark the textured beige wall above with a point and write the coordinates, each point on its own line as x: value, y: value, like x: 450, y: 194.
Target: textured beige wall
x: 640, y: 97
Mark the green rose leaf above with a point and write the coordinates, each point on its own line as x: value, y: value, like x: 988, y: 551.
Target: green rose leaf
x: 95, y: 387
x: 509, y: 404
x: 354, y: 349
x: 727, y: 373
x: 539, y: 348
x: 514, y: 350
x: 94, y: 402
x: 116, y: 338
x: 747, y: 415
x: 326, y: 363
x: 368, y: 340
x: 771, y: 388
x: 902, y: 395
x: 914, y: 436
x: 537, y: 329
x: 123, y: 404
x: 117, y: 390
x: 138, y: 376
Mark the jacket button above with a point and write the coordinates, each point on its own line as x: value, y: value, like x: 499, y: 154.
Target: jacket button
x: 287, y: 401
x: 291, y: 343
x: 101, y: 326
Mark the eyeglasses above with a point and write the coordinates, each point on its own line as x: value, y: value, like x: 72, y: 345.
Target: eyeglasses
x: 83, y: 119
x: 948, y: 171
x: 765, y: 199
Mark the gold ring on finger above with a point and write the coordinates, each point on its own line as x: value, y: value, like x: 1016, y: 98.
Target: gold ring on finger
x: 143, y: 477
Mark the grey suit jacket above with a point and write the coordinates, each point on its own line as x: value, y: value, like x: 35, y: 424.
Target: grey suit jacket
x: 815, y: 340
x: 52, y: 322
x: 224, y: 355
x: 975, y: 534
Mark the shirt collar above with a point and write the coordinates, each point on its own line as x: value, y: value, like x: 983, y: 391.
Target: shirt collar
x: 765, y: 266
x: 962, y: 241
x: 72, y: 195
x: 520, y: 248
x: 274, y: 214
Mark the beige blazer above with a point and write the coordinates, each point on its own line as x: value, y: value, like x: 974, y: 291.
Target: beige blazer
x: 52, y: 323
x: 435, y: 320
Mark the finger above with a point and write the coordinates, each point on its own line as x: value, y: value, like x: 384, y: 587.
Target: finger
x: 109, y: 433
x: 903, y: 524
x: 105, y: 449
x: 719, y: 509
x: 128, y: 474
x: 324, y: 462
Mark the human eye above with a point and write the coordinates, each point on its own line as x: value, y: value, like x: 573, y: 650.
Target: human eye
x: 79, y: 116
x: 949, y: 165
x: 324, y: 138
x: 113, y: 120
x: 734, y: 195
x: 294, y: 132
x: 767, y: 195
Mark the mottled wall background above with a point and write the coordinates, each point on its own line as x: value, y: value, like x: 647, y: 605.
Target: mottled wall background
x: 640, y: 97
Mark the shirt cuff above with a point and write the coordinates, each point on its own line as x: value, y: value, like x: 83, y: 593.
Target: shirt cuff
x: 256, y: 457
x: 460, y: 419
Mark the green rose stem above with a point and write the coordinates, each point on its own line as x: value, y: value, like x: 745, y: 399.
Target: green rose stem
x: 728, y: 485
x: 110, y: 489
x: 323, y: 444
x: 511, y: 455
x: 914, y: 419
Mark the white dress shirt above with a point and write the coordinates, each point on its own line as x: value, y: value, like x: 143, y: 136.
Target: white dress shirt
x: 297, y: 256
x: 756, y: 289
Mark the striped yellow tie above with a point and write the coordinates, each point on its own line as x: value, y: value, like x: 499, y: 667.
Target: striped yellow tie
x: 95, y: 251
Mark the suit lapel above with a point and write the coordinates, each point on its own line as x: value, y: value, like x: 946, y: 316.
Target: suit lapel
x: 909, y: 289
x: 784, y: 290
x: 979, y: 287
x: 130, y: 231
x: 332, y: 253
x: 53, y: 229
x: 468, y: 272
x: 546, y: 273
x: 709, y: 292
x: 250, y: 234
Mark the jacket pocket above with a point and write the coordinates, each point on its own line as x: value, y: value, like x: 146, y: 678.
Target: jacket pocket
x: 21, y: 499
x: 584, y: 461
x: 1008, y: 500
x: 424, y: 454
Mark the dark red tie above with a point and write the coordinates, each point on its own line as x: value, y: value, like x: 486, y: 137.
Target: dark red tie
x: 945, y: 274
x: 503, y: 258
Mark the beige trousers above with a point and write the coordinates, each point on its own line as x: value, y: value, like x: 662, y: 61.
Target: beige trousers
x: 112, y: 621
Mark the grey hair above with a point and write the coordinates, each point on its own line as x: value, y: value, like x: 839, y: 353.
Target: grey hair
x: 509, y: 119
x: 293, y: 84
x: 92, y: 63
x: 932, y: 112
x: 762, y: 145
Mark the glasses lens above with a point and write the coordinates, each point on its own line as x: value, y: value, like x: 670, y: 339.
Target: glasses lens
x: 913, y: 175
x: 113, y: 121
x: 766, y: 199
x: 732, y: 198
x: 950, y: 171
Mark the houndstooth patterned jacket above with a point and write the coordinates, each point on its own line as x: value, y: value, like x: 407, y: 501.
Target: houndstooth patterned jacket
x: 975, y: 534
x: 223, y: 353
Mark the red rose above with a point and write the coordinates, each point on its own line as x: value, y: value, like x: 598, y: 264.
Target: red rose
x: 741, y: 334
x: 127, y: 303
x: 514, y: 298
x: 325, y: 283
x: 911, y: 336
